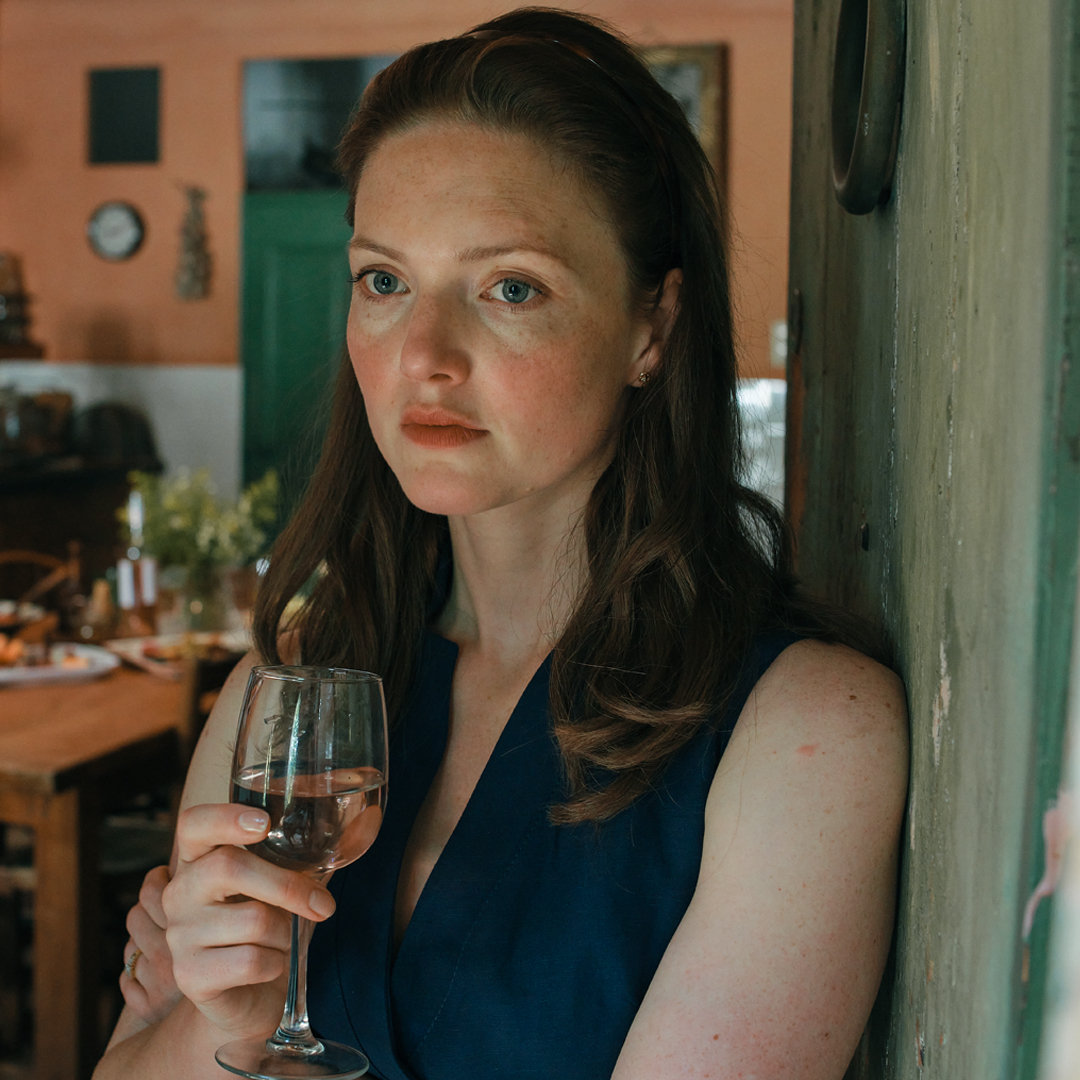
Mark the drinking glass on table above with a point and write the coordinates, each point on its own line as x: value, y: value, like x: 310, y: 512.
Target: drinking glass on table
x: 311, y: 750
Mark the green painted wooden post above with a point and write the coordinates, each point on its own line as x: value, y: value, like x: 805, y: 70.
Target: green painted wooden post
x: 934, y: 401
x: 1060, y: 514
x: 295, y: 305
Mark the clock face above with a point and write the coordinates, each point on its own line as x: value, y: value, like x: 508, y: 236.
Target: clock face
x: 115, y: 231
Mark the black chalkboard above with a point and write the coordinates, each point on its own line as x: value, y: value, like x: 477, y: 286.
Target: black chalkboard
x: 124, y: 115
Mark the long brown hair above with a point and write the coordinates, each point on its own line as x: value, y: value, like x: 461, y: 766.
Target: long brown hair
x: 685, y: 563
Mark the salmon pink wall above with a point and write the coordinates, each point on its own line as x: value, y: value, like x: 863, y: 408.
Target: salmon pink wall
x: 88, y: 309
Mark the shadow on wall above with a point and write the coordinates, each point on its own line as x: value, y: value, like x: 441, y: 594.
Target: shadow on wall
x: 108, y: 338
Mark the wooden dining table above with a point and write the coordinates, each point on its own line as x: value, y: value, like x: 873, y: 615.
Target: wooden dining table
x: 67, y: 750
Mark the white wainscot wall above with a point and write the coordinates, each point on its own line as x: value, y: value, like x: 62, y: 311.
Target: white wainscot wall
x: 194, y: 410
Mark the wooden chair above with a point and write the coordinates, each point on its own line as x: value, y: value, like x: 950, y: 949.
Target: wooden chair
x: 29, y: 579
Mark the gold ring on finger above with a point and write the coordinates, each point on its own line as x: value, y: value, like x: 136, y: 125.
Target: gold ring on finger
x: 130, y: 963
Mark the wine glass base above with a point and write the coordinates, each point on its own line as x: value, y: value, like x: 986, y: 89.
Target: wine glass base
x: 257, y: 1060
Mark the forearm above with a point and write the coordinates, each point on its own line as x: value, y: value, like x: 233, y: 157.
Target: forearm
x: 182, y: 1044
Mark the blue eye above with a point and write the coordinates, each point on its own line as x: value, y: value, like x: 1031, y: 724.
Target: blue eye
x: 516, y: 292
x: 385, y: 284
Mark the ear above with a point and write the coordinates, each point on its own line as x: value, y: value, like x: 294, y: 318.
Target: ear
x: 658, y: 325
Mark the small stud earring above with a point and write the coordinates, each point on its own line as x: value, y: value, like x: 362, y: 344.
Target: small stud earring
x: 643, y: 378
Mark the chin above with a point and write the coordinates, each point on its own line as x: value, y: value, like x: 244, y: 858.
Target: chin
x: 450, y: 496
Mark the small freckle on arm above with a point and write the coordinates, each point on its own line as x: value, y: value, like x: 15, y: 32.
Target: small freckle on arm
x: 852, y: 697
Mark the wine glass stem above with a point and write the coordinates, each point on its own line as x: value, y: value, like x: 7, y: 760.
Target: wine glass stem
x: 294, y: 1031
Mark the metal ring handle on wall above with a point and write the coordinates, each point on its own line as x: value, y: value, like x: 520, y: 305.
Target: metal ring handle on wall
x: 867, y: 97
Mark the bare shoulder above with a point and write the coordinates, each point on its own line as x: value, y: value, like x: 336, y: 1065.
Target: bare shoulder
x: 208, y: 774
x: 831, y: 689
x: 819, y: 701
x: 821, y: 745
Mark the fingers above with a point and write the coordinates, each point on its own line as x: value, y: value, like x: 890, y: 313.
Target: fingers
x: 226, y: 872
x: 135, y: 995
x: 214, y: 971
x: 150, y: 894
x: 248, y: 921
x: 147, y: 983
x: 146, y: 934
x: 225, y: 910
x: 216, y: 868
x: 140, y: 997
x: 200, y: 829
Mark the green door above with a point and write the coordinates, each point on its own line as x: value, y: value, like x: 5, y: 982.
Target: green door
x: 295, y: 305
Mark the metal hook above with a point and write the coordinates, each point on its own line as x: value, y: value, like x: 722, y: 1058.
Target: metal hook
x: 867, y: 99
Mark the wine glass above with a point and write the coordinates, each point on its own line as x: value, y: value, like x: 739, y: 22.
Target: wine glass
x: 311, y: 750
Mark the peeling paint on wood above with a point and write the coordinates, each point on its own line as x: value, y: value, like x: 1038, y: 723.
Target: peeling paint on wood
x: 941, y: 706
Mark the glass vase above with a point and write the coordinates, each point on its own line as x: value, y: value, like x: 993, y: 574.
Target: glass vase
x: 205, y: 604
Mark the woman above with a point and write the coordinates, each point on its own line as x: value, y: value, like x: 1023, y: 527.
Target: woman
x: 527, y: 516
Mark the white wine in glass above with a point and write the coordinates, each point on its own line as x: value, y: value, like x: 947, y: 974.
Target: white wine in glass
x: 311, y: 750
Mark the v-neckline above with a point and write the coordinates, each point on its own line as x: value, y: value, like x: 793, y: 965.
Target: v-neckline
x: 475, y: 861
x: 517, y: 734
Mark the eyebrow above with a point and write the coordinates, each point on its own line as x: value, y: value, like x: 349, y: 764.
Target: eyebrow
x: 473, y: 254
x: 362, y: 243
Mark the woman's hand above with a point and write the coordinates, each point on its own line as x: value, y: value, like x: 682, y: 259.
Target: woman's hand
x: 228, y: 918
x: 149, y: 989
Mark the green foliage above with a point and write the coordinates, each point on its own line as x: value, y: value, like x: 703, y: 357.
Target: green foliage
x: 186, y: 524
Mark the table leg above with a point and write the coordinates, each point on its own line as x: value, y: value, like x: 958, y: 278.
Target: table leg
x: 66, y: 932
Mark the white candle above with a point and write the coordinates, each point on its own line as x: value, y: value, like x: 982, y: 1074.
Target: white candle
x: 125, y: 583
x: 148, y: 580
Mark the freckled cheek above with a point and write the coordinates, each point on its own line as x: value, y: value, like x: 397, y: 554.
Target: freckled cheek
x: 557, y: 416
x: 369, y: 361
x: 536, y: 392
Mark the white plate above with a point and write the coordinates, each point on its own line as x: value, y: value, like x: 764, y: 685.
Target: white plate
x: 98, y: 662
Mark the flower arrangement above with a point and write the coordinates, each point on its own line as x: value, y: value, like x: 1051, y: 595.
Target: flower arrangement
x: 185, y: 524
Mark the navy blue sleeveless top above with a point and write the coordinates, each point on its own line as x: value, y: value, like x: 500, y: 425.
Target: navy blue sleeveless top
x: 532, y: 945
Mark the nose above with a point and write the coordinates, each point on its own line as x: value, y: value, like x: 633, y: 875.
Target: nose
x: 434, y: 345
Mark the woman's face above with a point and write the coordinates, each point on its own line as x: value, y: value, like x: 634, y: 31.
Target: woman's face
x: 492, y: 327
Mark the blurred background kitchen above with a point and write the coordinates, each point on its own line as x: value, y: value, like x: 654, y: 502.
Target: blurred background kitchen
x: 173, y: 293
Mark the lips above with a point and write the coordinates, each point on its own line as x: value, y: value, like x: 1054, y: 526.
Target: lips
x: 438, y: 429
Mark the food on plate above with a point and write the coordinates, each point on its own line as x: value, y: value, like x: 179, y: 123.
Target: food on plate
x: 190, y: 648
x: 16, y: 652
x: 11, y: 650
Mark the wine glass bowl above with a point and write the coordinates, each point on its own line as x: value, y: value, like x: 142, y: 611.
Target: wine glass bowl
x: 322, y: 821
x: 311, y: 750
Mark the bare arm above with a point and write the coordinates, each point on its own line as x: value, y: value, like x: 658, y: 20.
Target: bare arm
x: 228, y: 925
x: 775, y: 966
x: 152, y: 994
x: 206, y: 782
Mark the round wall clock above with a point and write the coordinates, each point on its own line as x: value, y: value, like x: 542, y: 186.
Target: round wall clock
x: 115, y: 231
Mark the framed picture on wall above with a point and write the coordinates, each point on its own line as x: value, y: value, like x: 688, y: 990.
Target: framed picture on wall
x: 696, y: 76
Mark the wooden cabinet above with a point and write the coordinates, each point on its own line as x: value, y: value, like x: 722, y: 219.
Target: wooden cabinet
x: 45, y: 508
